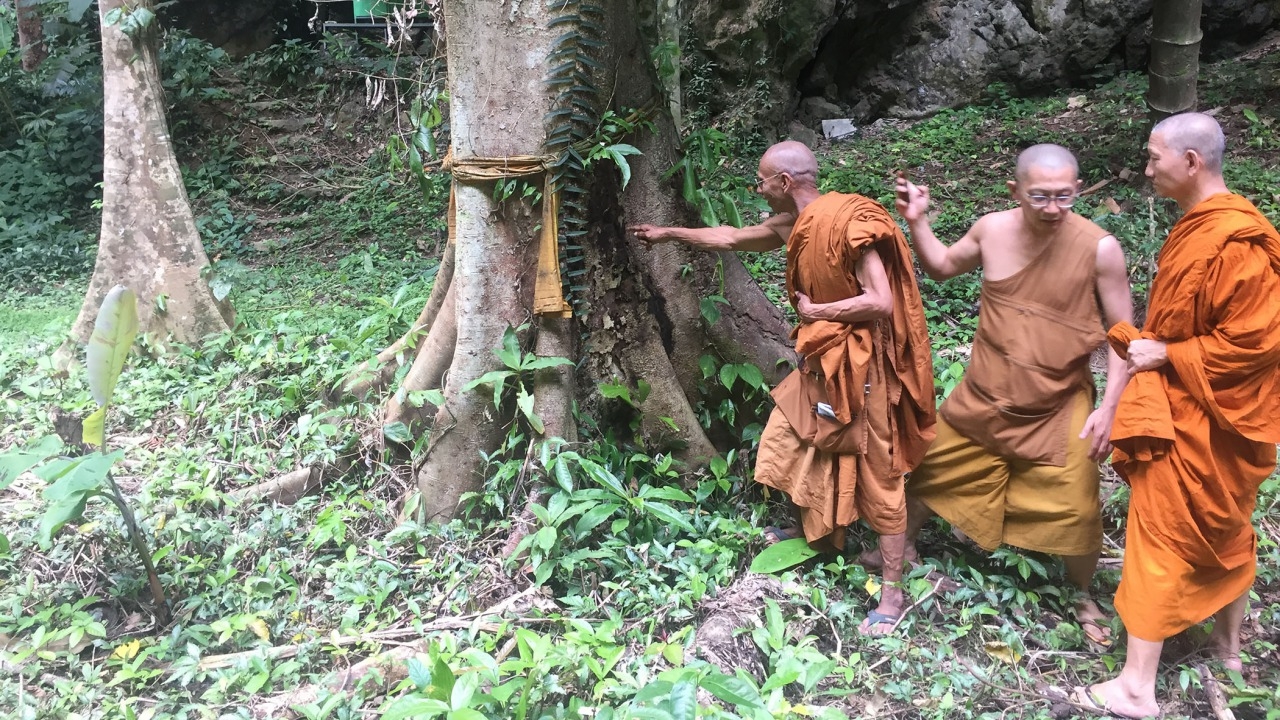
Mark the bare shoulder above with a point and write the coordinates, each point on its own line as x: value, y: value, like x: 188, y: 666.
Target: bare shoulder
x: 993, y: 226
x: 1110, y: 254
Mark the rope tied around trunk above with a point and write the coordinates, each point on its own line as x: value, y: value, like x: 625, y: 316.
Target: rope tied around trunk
x: 548, y: 294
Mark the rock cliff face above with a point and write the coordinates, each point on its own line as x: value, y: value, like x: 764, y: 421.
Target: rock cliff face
x: 785, y: 59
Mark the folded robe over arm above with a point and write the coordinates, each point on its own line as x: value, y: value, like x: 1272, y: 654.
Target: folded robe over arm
x: 877, y: 376
x: 1196, y: 437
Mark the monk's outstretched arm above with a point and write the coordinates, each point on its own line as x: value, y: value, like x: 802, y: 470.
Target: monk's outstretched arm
x: 938, y: 261
x: 875, y: 301
x: 769, y: 235
x: 1117, y: 307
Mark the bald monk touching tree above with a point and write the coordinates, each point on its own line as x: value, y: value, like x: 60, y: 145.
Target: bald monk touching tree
x: 1019, y: 439
x: 1197, y: 427
x: 859, y: 411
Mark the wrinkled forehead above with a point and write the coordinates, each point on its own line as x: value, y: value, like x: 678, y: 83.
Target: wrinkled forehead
x: 1048, y: 181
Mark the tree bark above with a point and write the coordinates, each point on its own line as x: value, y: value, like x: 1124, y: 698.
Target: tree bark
x: 1175, y: 57
x: 637, y: 319
x: 31, y: 34
x: 149, y: 242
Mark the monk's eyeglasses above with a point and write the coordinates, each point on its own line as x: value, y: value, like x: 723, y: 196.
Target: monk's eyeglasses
x: 1042, y: 201
x: 757, y: 182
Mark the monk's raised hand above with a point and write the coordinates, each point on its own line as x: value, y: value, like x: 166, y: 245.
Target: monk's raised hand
x: 1146, y: 354
x: 911, y: 200
x: 651, y: 234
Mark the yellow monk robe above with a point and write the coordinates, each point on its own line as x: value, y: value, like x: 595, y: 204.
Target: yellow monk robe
x: 1196, y: 437
x: 1009, y: 465
x: 877, y: 377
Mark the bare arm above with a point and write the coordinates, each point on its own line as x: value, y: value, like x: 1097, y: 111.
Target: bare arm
x: 875, y: 301
x: 936, y: 259
x: 1117, y: 306
x: 769, y: 235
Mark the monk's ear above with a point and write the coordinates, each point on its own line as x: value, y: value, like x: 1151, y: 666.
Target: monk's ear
x: 1013, y: 188
x: 1194, y: 160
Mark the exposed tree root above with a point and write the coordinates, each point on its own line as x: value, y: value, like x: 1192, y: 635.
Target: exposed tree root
x: 284, y: 489
x: 375, y: 375
x: 428, y: 369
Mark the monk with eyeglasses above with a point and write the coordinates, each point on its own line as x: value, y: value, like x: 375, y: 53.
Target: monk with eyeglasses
x: 1019, y: 439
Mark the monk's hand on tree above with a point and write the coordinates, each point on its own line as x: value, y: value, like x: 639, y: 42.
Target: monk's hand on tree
x: 649, y: 233
x: 1146, y: 354
x: 1097, y: 430
x: 912, y: 200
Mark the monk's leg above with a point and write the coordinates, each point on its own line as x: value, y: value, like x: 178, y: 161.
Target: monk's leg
x: 1080, y: 570
x: 1224, y: 640
x: 892, y: 597
x: 1132, y: 694
x: 917, y: 515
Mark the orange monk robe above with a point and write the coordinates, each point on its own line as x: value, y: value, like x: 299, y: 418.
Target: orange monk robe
x: 1196, y: 437
x: 877, y: 376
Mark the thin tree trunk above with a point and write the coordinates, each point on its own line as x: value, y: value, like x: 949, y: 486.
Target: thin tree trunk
x: 149, y: 242
x: 1175, y: 57
x: 31, y: 34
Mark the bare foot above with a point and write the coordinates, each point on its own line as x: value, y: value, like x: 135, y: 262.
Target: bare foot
x: 883, y: 619
x: 1222, y: 651
x: 1094, y: 624
x: 1113, y: 698
x: 774, y: 535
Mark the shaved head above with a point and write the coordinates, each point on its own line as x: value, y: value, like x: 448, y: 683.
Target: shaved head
x: 1047, y: 156
x: 793, y: 158
x: 1193, y: 131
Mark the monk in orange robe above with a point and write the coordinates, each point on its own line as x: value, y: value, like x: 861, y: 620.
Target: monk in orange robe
x: 1197, y: 427
x: 859, y: 412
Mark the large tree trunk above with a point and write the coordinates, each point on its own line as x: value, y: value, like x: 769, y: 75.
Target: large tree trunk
x: 30, y: 34
x: 149, y: 241
x: 637, y: 318
x: 1175, y: 57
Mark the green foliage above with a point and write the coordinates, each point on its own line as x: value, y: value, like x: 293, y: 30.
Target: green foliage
x: 519, y: 368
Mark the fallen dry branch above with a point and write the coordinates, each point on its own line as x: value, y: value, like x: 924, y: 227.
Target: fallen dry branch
x: 387, y: 668
x: 1217, y: 699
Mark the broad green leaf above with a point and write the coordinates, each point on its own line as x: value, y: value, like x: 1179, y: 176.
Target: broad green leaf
x: 78, y: 474
x: 782, y: 555
x: 653, y: 691
x: 732, y: 690
x: 592, y: 518
x: 780, y: 678
x: 709, y: 311
x: 708, y: 366
x: 109, y: 345
x: 684, y: 700
x: 14, y: 464
x: 670, y: 515
x: 93, y: 430
x: 728, y: 374
x: 602, y: 476
x: 60, y: 513
x: 509, y: 353
x: 615, y: 390
x: 4, y: 544
x: 524, y: 401
x: 1253, y: 116
x: 397, y: 432
x: 751, y: 375
x: 562, y: 475
x: 668, y: 492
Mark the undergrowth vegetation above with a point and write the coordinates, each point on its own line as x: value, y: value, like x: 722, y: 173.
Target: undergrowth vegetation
x: 631, y: 597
